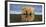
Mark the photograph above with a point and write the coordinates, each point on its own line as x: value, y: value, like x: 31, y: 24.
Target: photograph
x: 25, y: 13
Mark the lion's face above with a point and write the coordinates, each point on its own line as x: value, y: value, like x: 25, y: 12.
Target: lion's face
x: 27, y: 14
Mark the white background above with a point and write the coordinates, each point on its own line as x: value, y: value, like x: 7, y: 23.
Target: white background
x: 2, y: 14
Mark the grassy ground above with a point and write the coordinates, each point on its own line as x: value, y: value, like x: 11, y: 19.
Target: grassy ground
x: 17, y: 18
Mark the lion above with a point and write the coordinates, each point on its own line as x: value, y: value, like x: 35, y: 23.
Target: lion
x: 27, y: 14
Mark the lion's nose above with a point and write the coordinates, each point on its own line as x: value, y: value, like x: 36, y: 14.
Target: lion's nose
x: 30, y: 14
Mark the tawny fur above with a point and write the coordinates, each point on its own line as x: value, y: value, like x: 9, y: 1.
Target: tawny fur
x: 28, y: 18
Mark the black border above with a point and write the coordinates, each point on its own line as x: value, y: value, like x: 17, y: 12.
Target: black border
x: 22, y: 2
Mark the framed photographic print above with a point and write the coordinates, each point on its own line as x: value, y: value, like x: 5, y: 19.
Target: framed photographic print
x: 24, y: 13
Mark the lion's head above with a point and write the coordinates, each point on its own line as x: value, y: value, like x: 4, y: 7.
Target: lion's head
x: 28, y: 14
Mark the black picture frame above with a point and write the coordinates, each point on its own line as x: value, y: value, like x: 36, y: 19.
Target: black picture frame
x: 23, y: 2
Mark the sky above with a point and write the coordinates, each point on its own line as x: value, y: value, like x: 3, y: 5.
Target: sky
x: 17, y: 8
